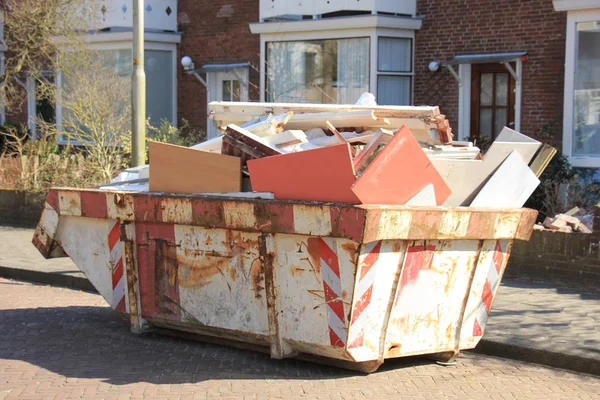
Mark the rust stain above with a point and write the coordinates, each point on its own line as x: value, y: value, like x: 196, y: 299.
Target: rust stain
x: 292, y: 271
x: 344, y: 294
x: 257, y: 277
x: 449, y: 332
x: 314, y: 253
x: 350, y: 248
x: 199, y: 266
x: 397, y: 246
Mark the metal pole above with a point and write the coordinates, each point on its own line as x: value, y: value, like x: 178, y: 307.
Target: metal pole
x: 138, y: 88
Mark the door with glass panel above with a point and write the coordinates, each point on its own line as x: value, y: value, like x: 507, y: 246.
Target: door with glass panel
x: 492, y: 101
x: 226, y: 86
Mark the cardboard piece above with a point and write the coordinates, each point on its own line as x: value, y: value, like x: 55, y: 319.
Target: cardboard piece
x: 466, y: 177
x: 398, y: 173
x: 321, y: 175
x: 176, y: 169
x: 510, y: 186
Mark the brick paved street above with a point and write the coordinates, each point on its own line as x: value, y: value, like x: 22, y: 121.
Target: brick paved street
x: 59, y: 343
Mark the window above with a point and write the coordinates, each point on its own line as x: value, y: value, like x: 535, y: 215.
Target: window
x: 231, y: 90
x: 394, y: 64
x: 586, y: 105
x: 109, y: 75
x: 317, y: 71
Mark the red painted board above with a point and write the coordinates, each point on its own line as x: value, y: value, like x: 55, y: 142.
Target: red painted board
x: 325, y: 174
x: 398, y: 173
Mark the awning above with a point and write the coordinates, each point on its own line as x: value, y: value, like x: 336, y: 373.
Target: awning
x: 490, y: 58
x: 222, y: 67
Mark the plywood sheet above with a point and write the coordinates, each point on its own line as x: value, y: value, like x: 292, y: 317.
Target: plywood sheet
x: 398, y: 173
x: 510, y: 186
x: 325, y: 174
x: 177, y: 169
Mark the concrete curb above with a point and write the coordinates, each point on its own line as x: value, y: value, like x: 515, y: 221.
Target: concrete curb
x: 48, y: 278
x: 494, y: 348
x: 521, y: 352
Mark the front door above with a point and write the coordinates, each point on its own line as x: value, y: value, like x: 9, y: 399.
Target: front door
x: 226, y: 86
x: 492, y: 101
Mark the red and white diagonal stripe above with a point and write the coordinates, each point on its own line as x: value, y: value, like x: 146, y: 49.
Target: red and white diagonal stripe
x: 364, y: 292
x: 116, y: 263
x: 332, y: 286
x: 490, y: 287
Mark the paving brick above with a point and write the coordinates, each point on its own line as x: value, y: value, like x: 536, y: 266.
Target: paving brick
x: 71, y: 345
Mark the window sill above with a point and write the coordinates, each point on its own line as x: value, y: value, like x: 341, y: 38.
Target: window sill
x: 585, y: 162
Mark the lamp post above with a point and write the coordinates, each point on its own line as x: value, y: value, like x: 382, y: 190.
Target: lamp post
x: 138, y: 88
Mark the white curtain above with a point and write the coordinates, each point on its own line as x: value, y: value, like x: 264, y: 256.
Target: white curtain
x: 352, y: 69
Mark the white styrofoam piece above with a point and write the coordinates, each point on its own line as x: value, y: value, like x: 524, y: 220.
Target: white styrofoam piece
x: 510, y: 186
x: 425, y: 197
x: 212, y: 145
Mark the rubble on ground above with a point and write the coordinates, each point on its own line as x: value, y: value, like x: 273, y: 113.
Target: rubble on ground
x: 574, y: 220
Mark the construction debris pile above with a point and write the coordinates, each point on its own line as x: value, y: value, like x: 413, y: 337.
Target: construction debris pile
x: 574, y: 220
x: 345, y: 153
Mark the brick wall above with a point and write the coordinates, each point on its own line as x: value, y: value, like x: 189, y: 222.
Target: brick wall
x: 452, y: 27
x: 214, y: 32
x: 559, y: 257
x: 565, y: 258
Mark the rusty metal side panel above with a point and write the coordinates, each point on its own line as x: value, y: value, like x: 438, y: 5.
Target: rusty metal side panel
x: 85, y: 240
x: 486, y: 280
x: 314, y: 277
x: 428, y: 307
x: 45, y: 232
x: 447, y: 223
x: 378, y: 273
x: 220, y: 279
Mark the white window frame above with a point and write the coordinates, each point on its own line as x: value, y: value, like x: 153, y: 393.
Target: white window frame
x: 464, y: 98
x: 573, y: 18
x: 410, y: 74
x: 371, y: 26
x: 214, y: 92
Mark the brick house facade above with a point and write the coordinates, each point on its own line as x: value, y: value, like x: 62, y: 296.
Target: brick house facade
x: 253, y: 49
x: 451, y: 28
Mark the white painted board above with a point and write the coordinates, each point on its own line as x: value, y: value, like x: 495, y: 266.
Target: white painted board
x: 510, y: 186
x: 425, y: 197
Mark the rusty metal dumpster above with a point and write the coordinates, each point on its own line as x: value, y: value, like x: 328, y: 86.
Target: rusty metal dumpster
x: 353, y: 285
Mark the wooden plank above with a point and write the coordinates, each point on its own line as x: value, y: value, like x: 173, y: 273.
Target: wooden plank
x: 258, y: 109
x: 398, y: 173
x: 349, y: 137
x: 177, y: 169
x: 335, y: 132
x: 370, y: 147
x: 239, y: 142
x: 346, y: 119
x: 542, y: 159
x: 321, y: 175
x: 510, y: 186
x: 286, y: 138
